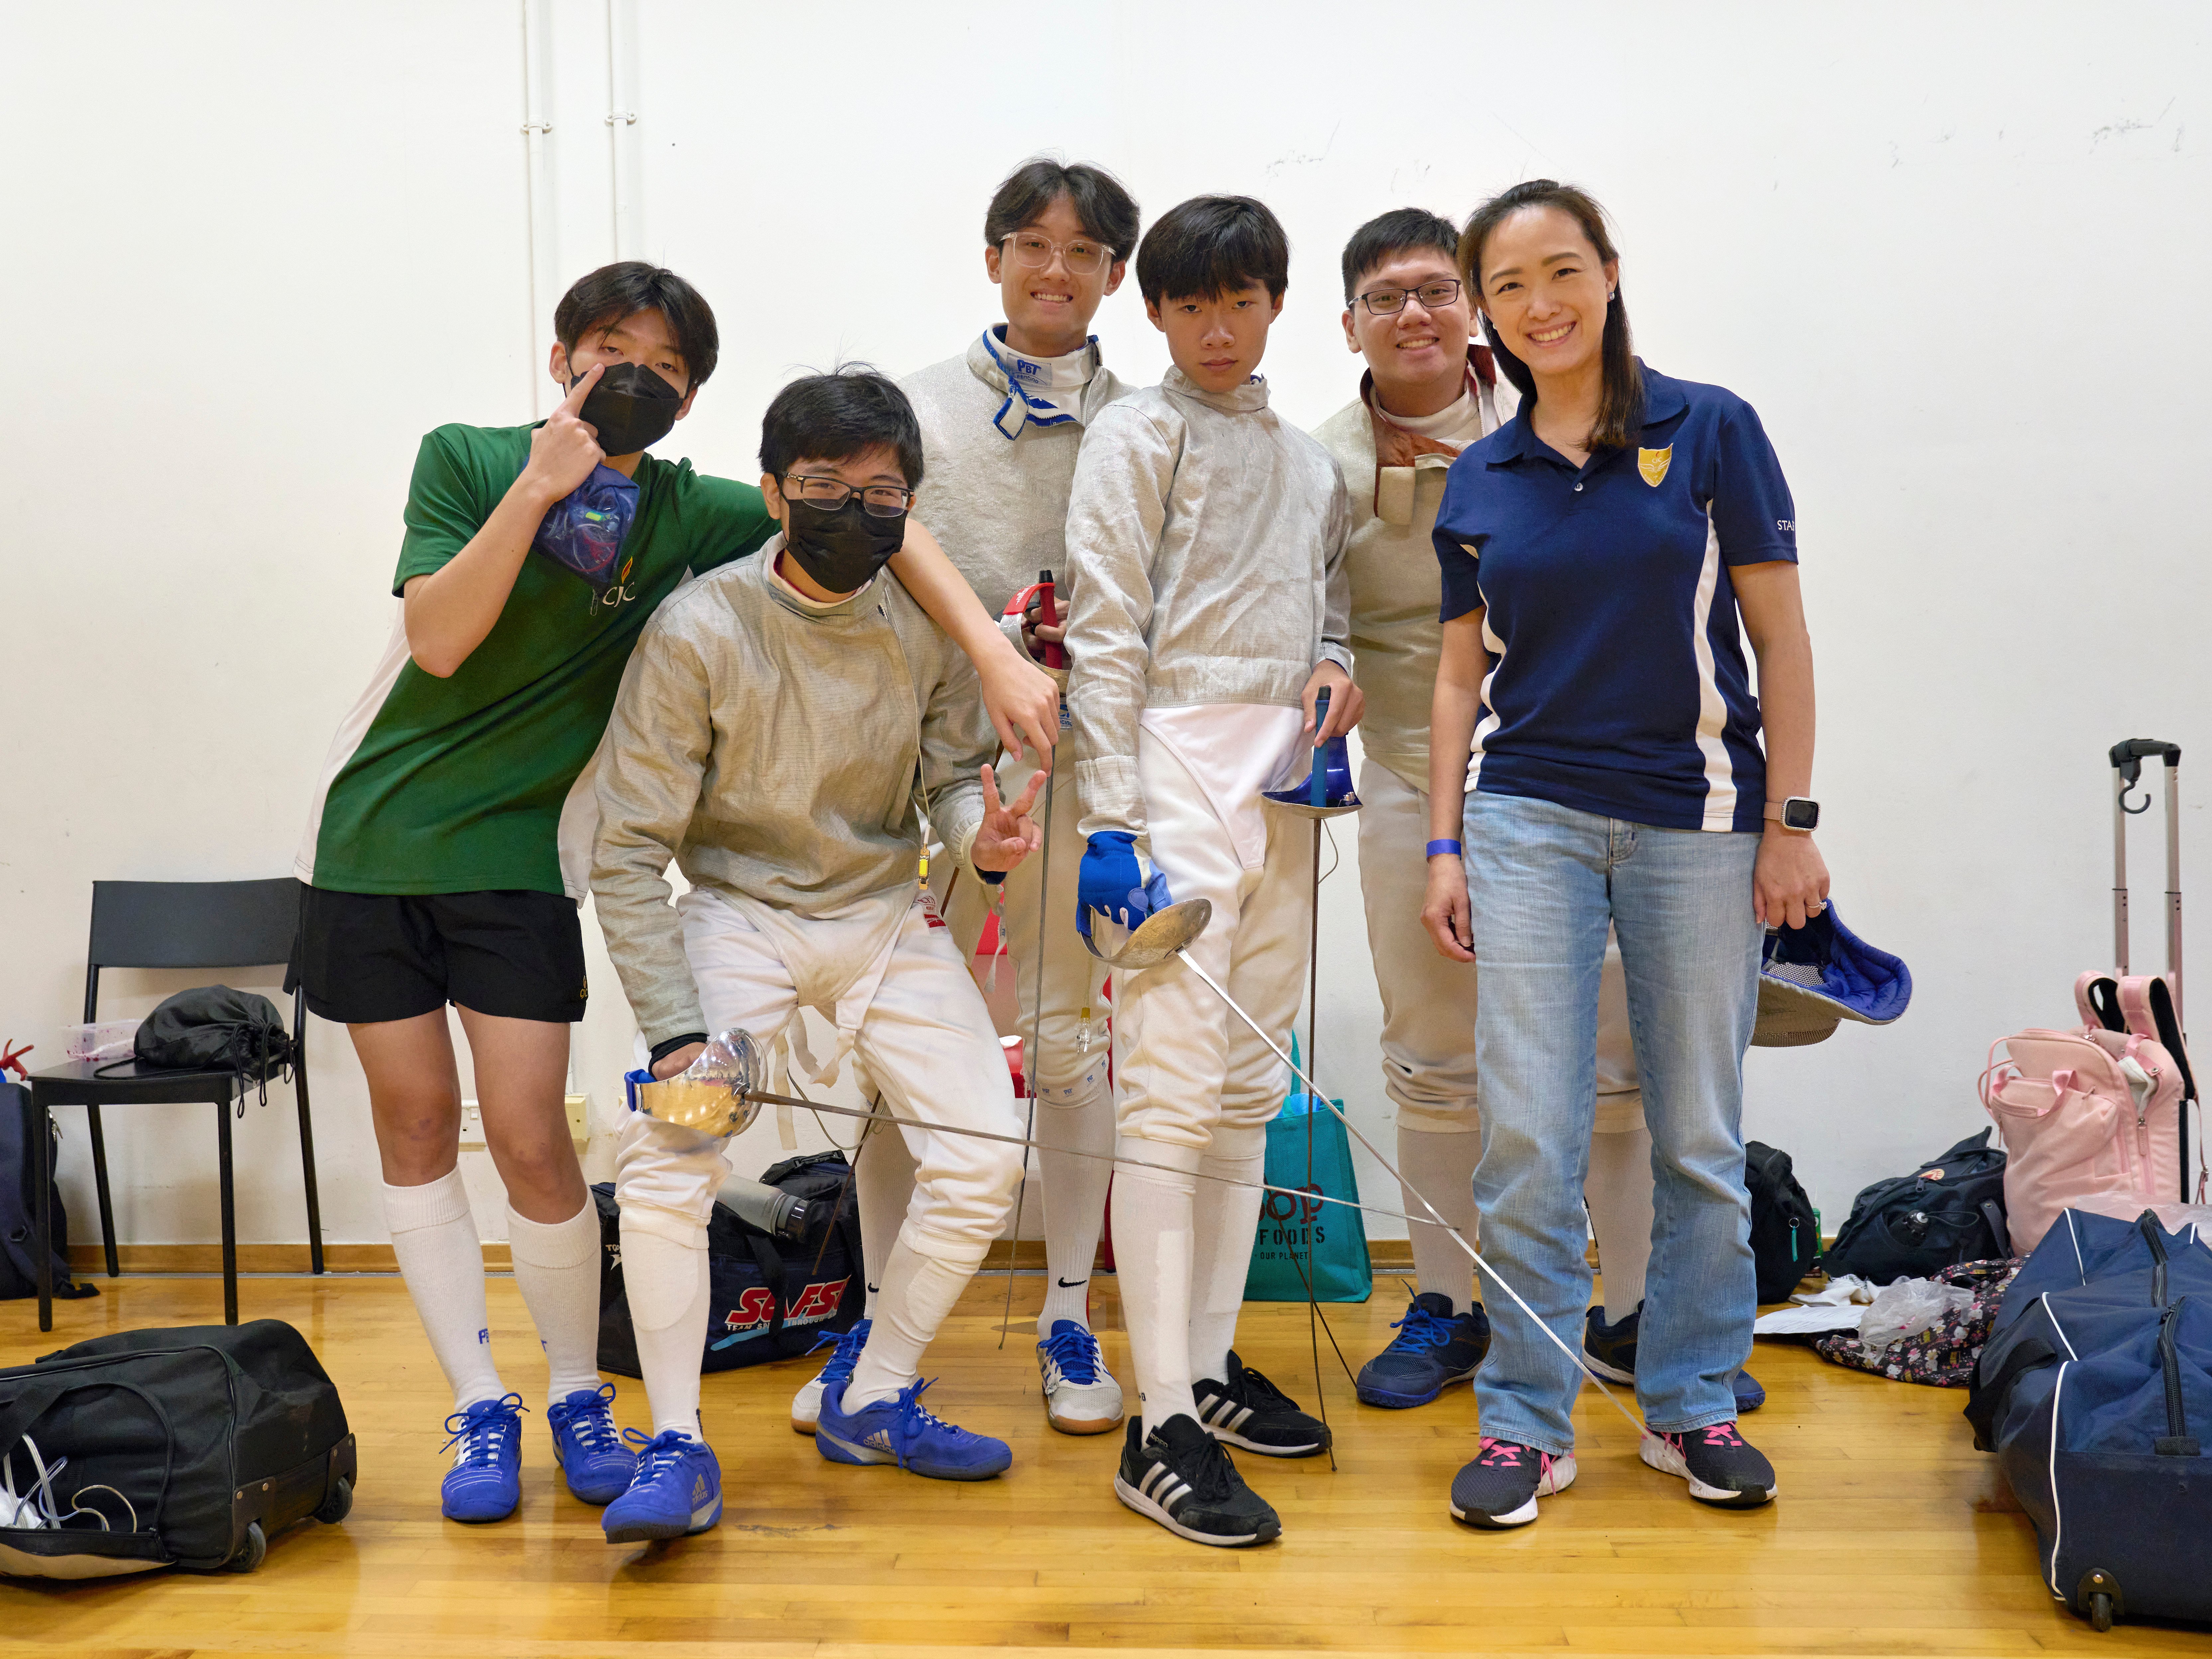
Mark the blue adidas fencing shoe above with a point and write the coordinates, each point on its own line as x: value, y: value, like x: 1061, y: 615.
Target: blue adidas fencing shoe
x: 904, y: 1431
x: 1434, y: 1348
x: 845, y: 1353
x: 485, y: 1482
x: 1610, y: 1350
x: 1080, y: 1395
x: 597, y: 1466
x: 677, y: 1490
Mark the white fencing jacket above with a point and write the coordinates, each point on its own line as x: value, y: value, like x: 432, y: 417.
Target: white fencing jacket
x: 1206, y: 538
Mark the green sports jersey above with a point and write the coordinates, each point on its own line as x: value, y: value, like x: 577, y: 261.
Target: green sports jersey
x: 480, y: 781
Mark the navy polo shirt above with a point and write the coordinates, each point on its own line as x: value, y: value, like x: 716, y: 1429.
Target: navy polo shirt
x: 1617, y: 683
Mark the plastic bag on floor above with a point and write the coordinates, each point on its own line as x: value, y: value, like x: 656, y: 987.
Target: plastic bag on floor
x: 1907, y: 1307
x: 1943, y: 1355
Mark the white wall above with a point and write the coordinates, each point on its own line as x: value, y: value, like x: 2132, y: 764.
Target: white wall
x: 1955, y: 256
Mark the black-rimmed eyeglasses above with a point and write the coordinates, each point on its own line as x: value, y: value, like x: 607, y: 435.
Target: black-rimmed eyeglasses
x: 1389, y: 302
x: 883, y: 500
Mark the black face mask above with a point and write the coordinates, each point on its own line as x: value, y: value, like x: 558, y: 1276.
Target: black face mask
x: 631, y: 408
x: 842, y: 548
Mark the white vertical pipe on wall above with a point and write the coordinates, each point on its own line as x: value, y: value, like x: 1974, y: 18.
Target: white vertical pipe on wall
x: 623, y: 242
x: 538, y: 202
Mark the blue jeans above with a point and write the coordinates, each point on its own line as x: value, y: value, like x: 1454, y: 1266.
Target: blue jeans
x: 1542, y: 883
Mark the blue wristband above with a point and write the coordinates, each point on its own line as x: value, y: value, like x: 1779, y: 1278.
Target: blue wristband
x: 1451, y: 846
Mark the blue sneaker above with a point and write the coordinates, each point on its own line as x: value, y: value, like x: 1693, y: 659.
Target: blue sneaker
x: 906, y: 1432
x: 1080, y: 1395
x: 806, y: 1404
x: 677, y: 1491
x: 1610, y: 1350
x: 485, y: 1482
x: 597, y: 1466
x: 1433, y: 1349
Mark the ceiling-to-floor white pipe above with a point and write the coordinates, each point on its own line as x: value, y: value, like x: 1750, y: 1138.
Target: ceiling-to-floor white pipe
x: 618, y: 228
x: 536, y: 212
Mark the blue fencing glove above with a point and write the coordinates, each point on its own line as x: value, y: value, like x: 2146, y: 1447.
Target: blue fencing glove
x: 1112, y: 878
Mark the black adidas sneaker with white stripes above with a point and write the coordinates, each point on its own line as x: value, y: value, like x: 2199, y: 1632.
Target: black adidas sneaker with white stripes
x: 1250, y: 1412
x: 1179, y: 1476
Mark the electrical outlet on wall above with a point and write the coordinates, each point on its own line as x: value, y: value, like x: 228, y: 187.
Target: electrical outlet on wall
x: 579, y: 1108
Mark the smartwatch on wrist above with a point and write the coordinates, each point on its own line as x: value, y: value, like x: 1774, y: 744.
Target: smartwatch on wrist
x: 1797, y: 813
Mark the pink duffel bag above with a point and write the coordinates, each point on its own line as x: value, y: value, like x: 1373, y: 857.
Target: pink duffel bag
x: 2091, y: 1119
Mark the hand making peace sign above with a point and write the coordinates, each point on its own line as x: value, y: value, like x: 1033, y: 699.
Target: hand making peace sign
x: 1008, y: 835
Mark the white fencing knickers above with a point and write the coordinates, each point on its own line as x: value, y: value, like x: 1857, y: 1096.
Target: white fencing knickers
x: 927, y: 1043
x: 1195, y: 1085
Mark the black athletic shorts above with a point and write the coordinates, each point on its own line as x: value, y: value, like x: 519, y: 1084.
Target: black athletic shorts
x: 366, y: 957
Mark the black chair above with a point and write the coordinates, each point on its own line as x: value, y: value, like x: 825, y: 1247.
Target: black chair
x: 174, y: 924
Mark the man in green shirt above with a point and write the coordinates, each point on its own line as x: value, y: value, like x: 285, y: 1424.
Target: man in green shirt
x: 435, y: 852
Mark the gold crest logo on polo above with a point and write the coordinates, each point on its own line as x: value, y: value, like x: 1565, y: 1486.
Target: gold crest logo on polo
x: 1652, y: 463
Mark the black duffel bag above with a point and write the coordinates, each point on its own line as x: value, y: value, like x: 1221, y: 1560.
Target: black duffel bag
x: 771, y: 1297
x: 185, y: 1447
x: 1948, y: 1212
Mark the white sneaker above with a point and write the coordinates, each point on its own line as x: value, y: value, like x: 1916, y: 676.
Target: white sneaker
x: 806, y: 1404
x: 1080, y: 1395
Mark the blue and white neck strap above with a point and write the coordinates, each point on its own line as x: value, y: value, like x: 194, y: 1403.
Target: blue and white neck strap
x: 1033, y: 382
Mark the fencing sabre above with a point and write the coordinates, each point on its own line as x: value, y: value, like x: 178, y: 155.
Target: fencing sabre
x: 1326, y: 794
x: 719, y: 1096
x: 1056, y: 656
x: 1169, y: 932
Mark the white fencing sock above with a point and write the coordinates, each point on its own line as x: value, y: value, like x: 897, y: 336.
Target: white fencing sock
x: 1152, y: 1227
x: 1224, y: 1221
x: 918, y: 1292
x: 442, y: 1261
x: 666, y: 1281
x: 556, y: 1267
x: 883, y: 1185
x: 1076, y: 1120
x: 1619, y: 1194
x: 1441, y: 1162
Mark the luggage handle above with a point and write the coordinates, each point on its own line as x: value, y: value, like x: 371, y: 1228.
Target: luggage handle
x: 2127, y: 757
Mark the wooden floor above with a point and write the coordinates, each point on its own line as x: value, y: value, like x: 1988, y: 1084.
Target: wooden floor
x: 1892, y: 1535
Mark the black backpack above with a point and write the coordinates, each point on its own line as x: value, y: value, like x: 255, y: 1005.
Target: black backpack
x: 19, y: 1203
x: 1950, y: 1211
x: 771, y: 1297
x: 194, y: 1445
x: 1785, y: 1228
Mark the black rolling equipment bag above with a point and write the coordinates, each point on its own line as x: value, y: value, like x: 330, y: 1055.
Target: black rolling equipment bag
x: 204, y: 1441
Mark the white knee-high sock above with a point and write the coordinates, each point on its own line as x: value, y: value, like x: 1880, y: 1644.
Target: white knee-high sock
x: 442, y: 1261
x: 1152, y: 1251
x: 1225, y: 1220
x: 1619, y: 1194
x: 666, y: 1281
x: 1070, y: 1123
x: 882, y: 1183
x: 1441, y: 1164
x: 918, y: 1292
x: 556, y: 1268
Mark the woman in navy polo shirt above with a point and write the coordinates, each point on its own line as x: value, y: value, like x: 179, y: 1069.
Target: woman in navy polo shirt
x: 1596, y: 741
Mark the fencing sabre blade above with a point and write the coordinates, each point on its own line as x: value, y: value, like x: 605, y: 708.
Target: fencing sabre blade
x: 724, y: 1103
x: 1056, y: 656
x: 1329, y: 764
x: 1168, y: 932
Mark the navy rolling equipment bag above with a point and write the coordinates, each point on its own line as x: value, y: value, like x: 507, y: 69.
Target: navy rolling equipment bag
x: 2095, y: 1393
